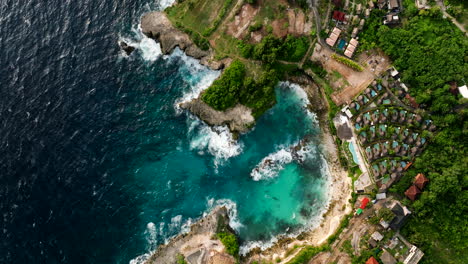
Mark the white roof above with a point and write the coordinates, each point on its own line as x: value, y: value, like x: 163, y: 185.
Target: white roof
x: 381, y: 196
x: 463, y: 91
x: 348, y: 113
x: 377, y: 236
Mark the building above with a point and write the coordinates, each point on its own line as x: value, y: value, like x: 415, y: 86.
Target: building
x: 331, y: 40
x: 377, y: 236
x: 391, y: 19
x: 422, y: 4
x: 372, y: 260
x: 401, y: 213
x: 414, y: 256
x: 463, y: 91
x: 420, y: 181
x: 351, y: 48
x: 381, y: 3
x: 412, y: 101
x: 387, y: 258
x: 338, y: 16
x: 393, y: 5
x: 412, y: 193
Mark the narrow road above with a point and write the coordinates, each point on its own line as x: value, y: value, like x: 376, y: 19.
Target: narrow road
x: 443, y: 8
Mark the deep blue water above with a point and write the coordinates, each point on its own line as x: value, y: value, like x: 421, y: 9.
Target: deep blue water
x: 98, y: 165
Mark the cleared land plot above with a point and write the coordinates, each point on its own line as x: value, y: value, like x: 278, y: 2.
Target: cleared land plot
x: 197, y: 15
x: 351, y: 82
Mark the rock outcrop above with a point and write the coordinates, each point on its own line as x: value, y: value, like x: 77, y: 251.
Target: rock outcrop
x: 239, y: 118
x: 200, y: 244
x: 127, y: 48
x: 156, y: 25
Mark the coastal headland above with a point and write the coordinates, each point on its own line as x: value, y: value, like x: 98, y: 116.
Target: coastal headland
x: 240, y: 118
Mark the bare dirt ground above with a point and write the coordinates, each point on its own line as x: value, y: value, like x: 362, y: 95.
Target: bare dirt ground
x: 239, y: 27
x: 352, y: 82
x: 358, y: 227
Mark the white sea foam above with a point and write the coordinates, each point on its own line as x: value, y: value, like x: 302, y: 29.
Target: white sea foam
x: 218, y: 141
x: 163, y: 4
x: 231, y: 207
x: 271, y: 165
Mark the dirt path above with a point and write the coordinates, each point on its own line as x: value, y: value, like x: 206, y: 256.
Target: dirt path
x: 443, y: 8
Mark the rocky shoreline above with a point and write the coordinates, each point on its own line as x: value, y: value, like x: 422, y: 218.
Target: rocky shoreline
x: 156, y: 25
x: 200, y: 244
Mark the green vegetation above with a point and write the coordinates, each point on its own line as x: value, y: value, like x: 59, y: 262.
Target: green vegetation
x: 431, y: 52
x: 306, y: 254
x: 208, y: 31
x: 350, y: 63
x: 271, y: 49
x: 181, y: 259
x: 224, y: 92
x: 234, y: 86
x: 229, y: 240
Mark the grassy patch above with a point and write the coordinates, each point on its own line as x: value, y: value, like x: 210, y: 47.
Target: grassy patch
x: 306, y: 254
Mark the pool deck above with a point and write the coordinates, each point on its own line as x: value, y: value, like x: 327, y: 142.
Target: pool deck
x: 364, y: 180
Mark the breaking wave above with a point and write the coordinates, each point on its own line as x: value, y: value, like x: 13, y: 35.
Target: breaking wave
x: 271, y: 165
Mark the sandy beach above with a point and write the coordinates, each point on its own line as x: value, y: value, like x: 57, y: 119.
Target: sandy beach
x: 338, y: 207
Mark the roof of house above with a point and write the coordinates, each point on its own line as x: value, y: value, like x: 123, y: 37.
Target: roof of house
x: 330, y: 42
x: 387, y: 258
x: 338, y: 15
x: 348, y: 53
x: 401, y: 214
x: 412, y: 101
x: 364, y: 203
x: 412, y: 192
x: 336, y: 31
x: 393, y: 4
x: 353, y: 42
x: 464, y: 91
x: 372, y: 260
x: 377, y: 236
x: 420, y: 181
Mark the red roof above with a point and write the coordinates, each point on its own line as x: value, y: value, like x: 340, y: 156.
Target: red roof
x: 364, y: 203
x: 412, y: 101
x: 420, y: 181
x: 372, y: 260
x: 412, y: 192
x: 338, y: 15
x: 407, y: 166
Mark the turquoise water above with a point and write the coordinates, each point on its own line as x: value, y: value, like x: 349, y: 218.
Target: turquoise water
x: 353, y: 152
x: 202, y: 167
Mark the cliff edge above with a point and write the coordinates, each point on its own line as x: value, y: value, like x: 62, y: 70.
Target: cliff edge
x: 200, y: 245
x: 156, y: 25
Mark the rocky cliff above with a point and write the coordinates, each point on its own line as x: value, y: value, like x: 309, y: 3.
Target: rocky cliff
x: 199, y: 246
x: 156, y: 25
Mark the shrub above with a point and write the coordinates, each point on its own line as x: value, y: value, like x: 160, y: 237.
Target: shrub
x: 350, y: 63
x: 229, y: 240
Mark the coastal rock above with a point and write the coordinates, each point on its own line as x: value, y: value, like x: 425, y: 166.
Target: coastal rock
x: 127, y: 48
x: 156, y: 25
x: 199, y: 245
x: 239, y: 118
x: 317, y: 103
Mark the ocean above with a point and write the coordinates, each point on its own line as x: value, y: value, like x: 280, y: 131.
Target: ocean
x: 98, y: 164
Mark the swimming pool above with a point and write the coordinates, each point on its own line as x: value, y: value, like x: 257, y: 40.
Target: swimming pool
x: 341, y: 44
x: 353, y: 152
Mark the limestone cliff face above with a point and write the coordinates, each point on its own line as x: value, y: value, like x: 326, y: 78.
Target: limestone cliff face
x: 156, y: 25
x: 199, y: 246
x: 239, y: 118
